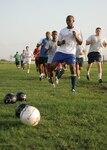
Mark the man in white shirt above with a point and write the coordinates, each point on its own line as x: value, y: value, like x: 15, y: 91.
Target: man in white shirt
x: 28, y: 57
x: 68, y: 38
x: 96, y: 42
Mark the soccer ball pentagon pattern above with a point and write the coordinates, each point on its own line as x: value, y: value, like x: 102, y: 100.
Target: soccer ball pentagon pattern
x: 21, y: 96
x: 18, y: 110
x: 10, y: 98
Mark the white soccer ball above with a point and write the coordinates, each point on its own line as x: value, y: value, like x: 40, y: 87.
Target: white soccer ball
x: 30, y: 116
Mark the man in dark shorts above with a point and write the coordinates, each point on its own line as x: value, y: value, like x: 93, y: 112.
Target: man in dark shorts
x: 68, y: 38
x: 42, y: 60
x: 17, y: 59
x: 96, y: 42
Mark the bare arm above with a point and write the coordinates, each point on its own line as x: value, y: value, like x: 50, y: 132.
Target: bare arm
x: 38, y: 45
x: 78, y: 40
x: 88, y: 43
x: 105, y: 44
x: 59, y: 43
x: 47, y: 49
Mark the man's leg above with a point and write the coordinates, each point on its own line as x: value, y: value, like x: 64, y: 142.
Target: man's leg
x: 88, y: 71
x: 51, y: 71
x: 73, y: 76
x: 41, y: 70
x: 28, y: 65
x: 99, y: 66
x: 78, y: 71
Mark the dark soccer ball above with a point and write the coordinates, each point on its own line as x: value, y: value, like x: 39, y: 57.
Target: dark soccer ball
x: 10, y: 98
x: 19, y: 109
x: 21, y: 96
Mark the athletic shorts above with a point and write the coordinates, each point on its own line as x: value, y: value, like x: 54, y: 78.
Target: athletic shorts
x: 17, y: 63
x: 79, y: 61
x: 66, y: 58
x: 94, y: 56
x: 42, y: 60
x: 27, y: 61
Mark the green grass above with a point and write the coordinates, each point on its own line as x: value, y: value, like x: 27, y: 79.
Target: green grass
x: 68, y: 121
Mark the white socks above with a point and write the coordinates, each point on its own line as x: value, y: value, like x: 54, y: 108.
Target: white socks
x: 99, y: 75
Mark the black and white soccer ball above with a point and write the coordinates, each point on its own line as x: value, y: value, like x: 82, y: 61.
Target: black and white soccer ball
x: 10, y: 98
x: 21, y: 96
x: 19, y: 108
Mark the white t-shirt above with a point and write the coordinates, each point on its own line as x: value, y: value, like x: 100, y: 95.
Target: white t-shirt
x: 28, y: 56
x: 70, y: 43
x: 51, y: 52
x: 98, y: 43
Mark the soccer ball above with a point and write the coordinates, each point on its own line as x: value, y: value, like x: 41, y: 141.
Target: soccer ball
x: 19, y: 108
x: 30, y: 116
x: 10, y: 98
x: 21, y: 96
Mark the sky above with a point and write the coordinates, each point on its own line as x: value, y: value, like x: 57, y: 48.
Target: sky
x: 25, y: 22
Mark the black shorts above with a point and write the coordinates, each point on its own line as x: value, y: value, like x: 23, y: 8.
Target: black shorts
x: 17, y: 63
x: 36, y: 61
x: 42, y: 60
x: 79, y: 61
x: 94, y: 56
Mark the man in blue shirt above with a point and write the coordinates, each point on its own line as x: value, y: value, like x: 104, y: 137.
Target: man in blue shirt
x: 43, y: 55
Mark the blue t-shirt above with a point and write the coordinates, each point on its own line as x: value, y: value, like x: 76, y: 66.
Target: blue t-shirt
x: 43, y: 52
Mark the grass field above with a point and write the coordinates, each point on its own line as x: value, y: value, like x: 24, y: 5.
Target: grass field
x: 68, y: 121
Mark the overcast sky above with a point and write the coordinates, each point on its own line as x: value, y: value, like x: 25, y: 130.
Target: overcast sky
x: 24, y: 22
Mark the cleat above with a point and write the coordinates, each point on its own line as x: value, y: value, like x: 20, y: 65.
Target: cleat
x: 57, y: 81
x: 100, y: 81
x: 78, y: 77
x: 41, y: 78
x: 49, y: 80
x: 73, y: 90
x: 88, y: 77
x: 53, y: 85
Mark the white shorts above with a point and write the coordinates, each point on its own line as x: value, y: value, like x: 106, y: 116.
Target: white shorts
x: 27, y: 61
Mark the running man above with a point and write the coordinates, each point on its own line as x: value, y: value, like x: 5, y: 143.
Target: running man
x: 28, y: 57
x: 36, y: 54
x: 22, y: 56
x: 43, y: 55
x: 51, y: 48
x: 17, y: 59
x: 96, y: 42
x: 68, y: 38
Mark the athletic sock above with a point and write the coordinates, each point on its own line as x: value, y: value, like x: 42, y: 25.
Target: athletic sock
x: 99, y: 75
x: 88, y: 73
x: 28, y: 71
x: 73, y: 81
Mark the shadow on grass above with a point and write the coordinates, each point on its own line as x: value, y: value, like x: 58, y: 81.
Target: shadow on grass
x: 93, y: 86
x: 7, y: 124
x: 26, y: 78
